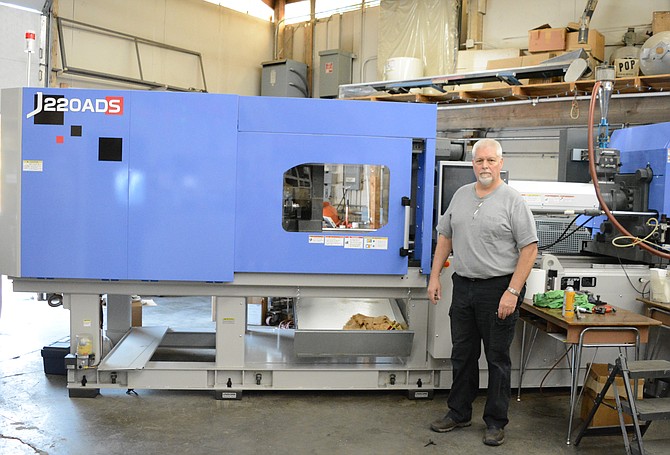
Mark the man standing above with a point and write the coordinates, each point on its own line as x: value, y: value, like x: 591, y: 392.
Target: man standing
x: 491, y: 232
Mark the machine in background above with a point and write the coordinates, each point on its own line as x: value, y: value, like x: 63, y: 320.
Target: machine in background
x: 635, y: 183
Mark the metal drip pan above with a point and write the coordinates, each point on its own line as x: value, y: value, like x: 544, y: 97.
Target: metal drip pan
x: 319, y: 329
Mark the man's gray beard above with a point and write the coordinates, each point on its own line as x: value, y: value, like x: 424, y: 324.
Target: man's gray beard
x: 486, y: 181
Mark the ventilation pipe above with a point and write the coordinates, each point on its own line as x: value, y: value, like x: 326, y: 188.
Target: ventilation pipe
x: 585, y: 20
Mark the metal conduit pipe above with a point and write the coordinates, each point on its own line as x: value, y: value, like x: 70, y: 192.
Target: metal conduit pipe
x: 583, y: 36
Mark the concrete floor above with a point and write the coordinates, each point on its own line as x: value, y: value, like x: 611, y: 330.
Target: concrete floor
x: 37, y: 416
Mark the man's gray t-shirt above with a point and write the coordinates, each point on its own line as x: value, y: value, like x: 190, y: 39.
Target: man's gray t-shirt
x: 487, y: 233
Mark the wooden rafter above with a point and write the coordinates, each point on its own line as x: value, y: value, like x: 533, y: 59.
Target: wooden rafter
x: 272, y: 3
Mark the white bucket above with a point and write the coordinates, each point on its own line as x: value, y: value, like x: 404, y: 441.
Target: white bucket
x: 402, y: 68
x: 660, y: 286
x: 536, y: 283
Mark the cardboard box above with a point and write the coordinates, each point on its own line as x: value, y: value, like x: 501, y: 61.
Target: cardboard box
x: 545, y: 38
x: 538, y: 58
x: 136, y: 313
x: 502, y: 63
x: 605, y: 416
x: 598, y: 375
x: 524, y: 60
x: 595, y: 44
x: 660, y: 22
x: 477, y: 60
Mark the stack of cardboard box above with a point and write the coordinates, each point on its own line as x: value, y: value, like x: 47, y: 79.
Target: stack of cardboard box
x: 546, y: 42
x: 547, y: 39
x: 606, y: 415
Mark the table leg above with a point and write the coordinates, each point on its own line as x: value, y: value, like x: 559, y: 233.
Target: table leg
x: 521, y: 360
x: 574, y: 371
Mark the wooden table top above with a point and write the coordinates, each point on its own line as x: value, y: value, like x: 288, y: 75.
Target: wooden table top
x: 555, y: 321
x: 620, y: 318
x: 657, y: 310
x: 654, y: 303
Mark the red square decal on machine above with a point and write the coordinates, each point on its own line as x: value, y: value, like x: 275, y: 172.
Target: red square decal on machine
x: 114, y: 105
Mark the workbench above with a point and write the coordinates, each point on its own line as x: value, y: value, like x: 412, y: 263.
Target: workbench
x: 616, y: 329
x: 661, y: 312
x: 657, y: 310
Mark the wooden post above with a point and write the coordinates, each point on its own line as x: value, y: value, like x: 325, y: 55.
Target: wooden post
x: 309, y: 45
x: 476, y: 22
x: 280, y: 48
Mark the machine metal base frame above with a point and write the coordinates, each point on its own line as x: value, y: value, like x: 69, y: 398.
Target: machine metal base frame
x: 237, y: 357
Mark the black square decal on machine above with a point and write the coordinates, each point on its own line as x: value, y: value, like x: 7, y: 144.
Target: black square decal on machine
x: 110, y: 149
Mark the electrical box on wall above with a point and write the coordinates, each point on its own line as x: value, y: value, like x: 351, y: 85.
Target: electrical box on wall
x: 335, y: 70
x: 284, y: 78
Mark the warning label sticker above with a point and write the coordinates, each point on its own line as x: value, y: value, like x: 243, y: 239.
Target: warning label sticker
x: 353, y: 242
x: 376, y: 243
x: 332, y: 240
x: 32, y: 166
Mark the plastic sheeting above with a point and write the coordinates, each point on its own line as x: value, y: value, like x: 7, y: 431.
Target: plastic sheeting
x: 426, y: 30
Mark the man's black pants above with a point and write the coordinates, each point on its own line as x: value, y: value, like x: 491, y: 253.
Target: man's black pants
x: 474, y: 319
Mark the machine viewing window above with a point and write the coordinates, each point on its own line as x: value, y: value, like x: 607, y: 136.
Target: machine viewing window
x: 321, y: 197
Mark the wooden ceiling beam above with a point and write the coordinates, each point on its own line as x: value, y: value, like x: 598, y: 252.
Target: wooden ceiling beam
x: 271, y: 3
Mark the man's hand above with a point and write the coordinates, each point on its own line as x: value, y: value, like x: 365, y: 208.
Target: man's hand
x: 442, y: 251
x: 507, y: 305
x: 434, y: 290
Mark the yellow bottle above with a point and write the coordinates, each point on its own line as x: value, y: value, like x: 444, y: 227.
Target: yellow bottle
x: 569, y: 303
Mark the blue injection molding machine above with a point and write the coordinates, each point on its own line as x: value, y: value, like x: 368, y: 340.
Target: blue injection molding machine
x: 137, y: 185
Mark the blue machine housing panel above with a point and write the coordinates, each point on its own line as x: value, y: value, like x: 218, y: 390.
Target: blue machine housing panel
x: 262, y: 244
x: 337, y: 117
x: 642, y: 145
x: 145, y: 193
x: 182, y: 186
x: 74, y: 207
x: 425, y: 200
x: 134, y: 185
x: 329, y: 131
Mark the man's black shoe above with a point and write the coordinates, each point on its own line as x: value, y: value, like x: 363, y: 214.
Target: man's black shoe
x: 447, y: 424
x: 494, y: 436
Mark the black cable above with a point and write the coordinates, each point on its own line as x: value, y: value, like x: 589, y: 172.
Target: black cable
x: 563, y: 235
x: 552, y: 369
x: 628, y: 278
x: 644, y: 293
